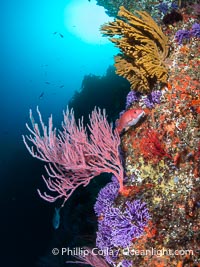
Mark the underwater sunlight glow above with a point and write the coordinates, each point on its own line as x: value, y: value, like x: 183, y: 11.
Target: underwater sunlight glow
x: 84, y: 18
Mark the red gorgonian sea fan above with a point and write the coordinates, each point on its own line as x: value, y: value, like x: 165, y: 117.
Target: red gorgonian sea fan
x: 151, y: 147
x: 73, y: 156
x: 92, y: 257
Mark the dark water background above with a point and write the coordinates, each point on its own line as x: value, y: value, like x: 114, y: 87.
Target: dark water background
x: 35, y: 62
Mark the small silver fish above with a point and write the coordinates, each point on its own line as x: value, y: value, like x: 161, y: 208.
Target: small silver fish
x: 56, y: 218
x: 41, y: 95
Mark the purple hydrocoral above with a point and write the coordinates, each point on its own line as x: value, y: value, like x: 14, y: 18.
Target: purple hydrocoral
x: 149, y: 100
x: 118, y: 228
x: 106, y: 197
x: 126, y: 263
x: 163, y: 7
x: 130, y: 223
x: 195, y: 31
x: 156, y: 95
x: 181, y: 35
x: 185, y: 34
x: 132, y: 96
x: 174, y: 5
x: 152, y: 99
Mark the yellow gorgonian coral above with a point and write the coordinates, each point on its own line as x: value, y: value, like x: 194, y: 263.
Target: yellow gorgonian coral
x: 144, y: 48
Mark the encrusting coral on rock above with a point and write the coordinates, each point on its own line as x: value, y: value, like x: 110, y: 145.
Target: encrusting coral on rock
x: 162, y: 151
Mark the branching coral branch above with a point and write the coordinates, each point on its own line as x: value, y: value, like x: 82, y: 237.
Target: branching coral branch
x: 144, y: 48
x: 73, y: 156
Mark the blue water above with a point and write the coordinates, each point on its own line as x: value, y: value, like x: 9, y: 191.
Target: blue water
x: 41, y: 68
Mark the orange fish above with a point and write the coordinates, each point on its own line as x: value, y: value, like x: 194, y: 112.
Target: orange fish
x: 128, y: 119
